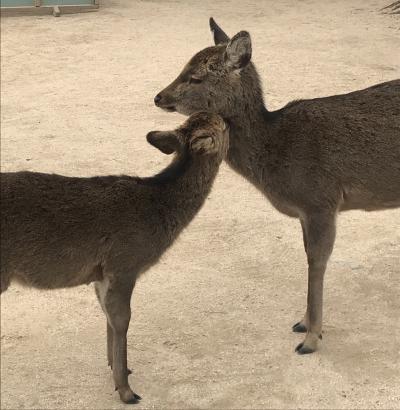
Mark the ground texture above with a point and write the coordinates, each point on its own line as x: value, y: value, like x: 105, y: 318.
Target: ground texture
x: 211, y: 325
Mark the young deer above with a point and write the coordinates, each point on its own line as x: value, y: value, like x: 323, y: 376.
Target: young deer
x: 59, y: 232
x: 311, y: 159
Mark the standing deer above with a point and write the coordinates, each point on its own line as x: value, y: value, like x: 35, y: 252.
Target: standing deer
x: 59, y: 232
x: 311, y: 159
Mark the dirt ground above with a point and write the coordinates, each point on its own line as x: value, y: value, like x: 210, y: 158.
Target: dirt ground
x: 211, y: 324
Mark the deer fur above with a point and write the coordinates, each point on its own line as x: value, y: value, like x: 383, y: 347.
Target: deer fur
x: 311, y: 159
x: 59, y: 232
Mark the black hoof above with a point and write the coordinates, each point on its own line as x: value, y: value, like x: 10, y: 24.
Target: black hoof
x: 301, y: 349
x: 299, y: 328
x: 132, y: 400
x: 129, y: 397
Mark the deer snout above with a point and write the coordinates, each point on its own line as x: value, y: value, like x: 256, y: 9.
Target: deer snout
x: 163, y: 100
x: 157, y: 99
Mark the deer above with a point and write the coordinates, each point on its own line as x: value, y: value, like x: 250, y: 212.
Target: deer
x: 312, y: 158
x: 60, y: 232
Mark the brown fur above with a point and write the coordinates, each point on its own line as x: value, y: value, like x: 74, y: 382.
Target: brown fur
x: 312, y: 158
x: 58, y: 231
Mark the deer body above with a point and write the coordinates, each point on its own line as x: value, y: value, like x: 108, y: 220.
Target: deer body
x: 58, y: 231
x: 62, y: 232
x: 312, y: 158
x: 308, y: 155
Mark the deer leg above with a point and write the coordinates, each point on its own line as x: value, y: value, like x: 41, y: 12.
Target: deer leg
x: 109, y: 345
x: 118, y: 310
x: 303, y: 229
x: 320, y: 232
x: 301, y: 327
x: 100, y: 289
x: 4, y: 281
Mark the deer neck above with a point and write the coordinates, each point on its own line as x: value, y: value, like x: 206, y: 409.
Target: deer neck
x: 250, y: 128
x: 185, y: 185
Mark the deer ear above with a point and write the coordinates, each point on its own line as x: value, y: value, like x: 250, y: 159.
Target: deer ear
x: 202, y: 145
x: 238, y: 50
x: 166, y: 141
x: 220, y: 36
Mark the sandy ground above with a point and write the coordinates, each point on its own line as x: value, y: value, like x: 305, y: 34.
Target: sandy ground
x: 211, y: 324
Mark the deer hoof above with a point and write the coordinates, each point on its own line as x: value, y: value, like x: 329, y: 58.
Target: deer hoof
x: 301, y: 349
x: 128, y: 396
x: 299, y: 328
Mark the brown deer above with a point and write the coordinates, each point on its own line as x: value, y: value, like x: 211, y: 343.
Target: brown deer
x: 311, y: 159
x: 59, y: 232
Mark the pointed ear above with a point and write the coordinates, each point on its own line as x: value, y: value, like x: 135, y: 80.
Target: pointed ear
x: 166, y: 141
x: 238, y: 50
x: 202, y: 145
x: 220, y: 36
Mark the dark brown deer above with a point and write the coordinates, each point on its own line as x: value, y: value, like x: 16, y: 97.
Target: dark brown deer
x: 59, y: 232
x: 312, y: 158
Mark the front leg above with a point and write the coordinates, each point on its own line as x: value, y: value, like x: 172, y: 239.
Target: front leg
x: 301, y: 327
x: 320, y: 229
x: 110, y: 345
x: 118, y: 311
x: 101, y: 290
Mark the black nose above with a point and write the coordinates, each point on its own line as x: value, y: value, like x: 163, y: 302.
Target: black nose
x: 157, y: 99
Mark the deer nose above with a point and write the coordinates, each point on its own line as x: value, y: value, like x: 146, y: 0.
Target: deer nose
x: 157, y: 99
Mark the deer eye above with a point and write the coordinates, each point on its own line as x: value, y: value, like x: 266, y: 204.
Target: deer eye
x: 195, y: 80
